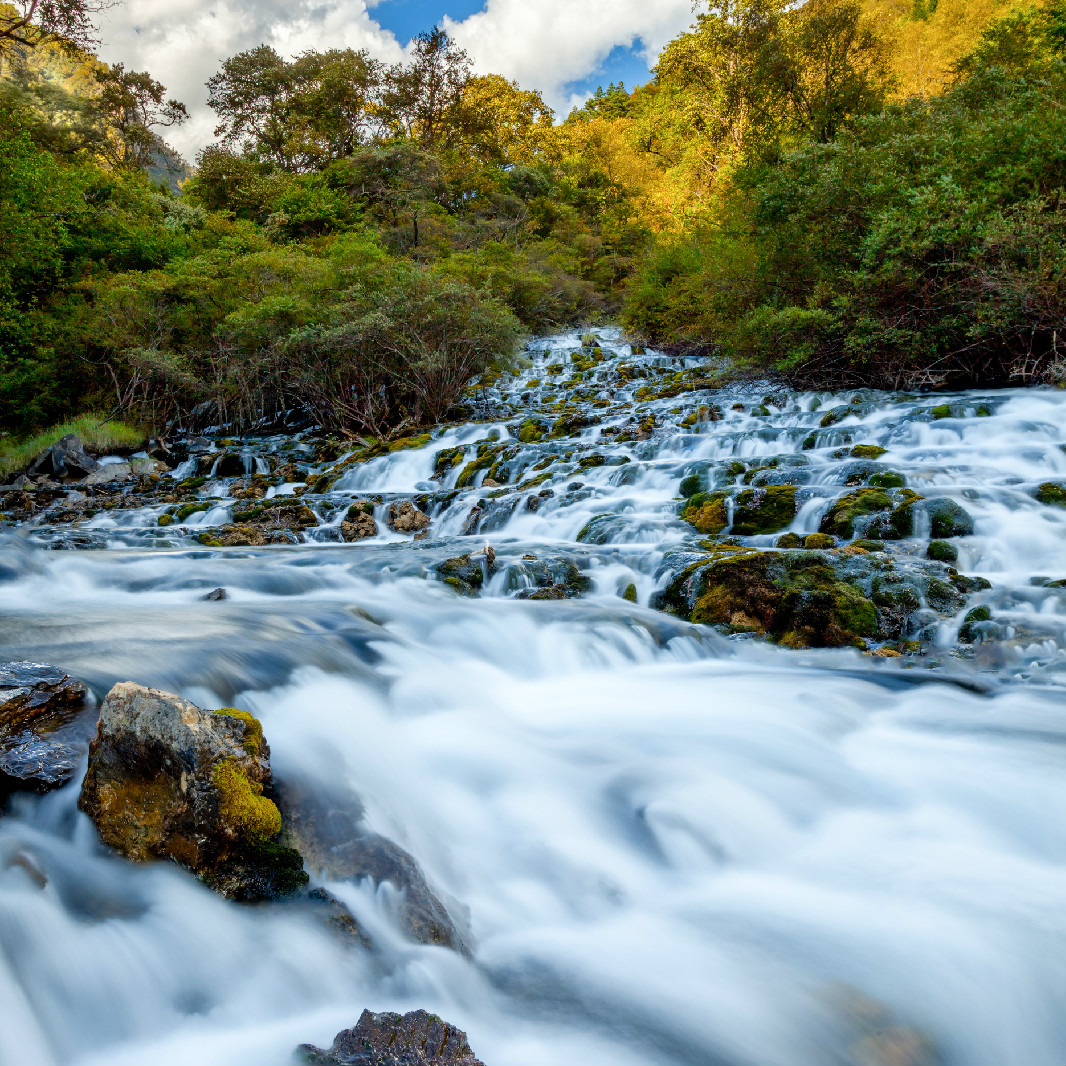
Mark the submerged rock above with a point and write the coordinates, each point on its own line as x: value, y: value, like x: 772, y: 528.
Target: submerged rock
x: 167, y: 780
x: 329, y: 830
x: 387, y: 1039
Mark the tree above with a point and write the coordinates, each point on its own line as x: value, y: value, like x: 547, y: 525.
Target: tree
x: 838, y: 66
x: 423, y: 100
x: 296, y: 114
x: 29, y: 23
x: 503, y: 123
x: 131, y: 105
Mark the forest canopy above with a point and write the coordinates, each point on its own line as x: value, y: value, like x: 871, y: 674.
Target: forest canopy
x: 838, y: 193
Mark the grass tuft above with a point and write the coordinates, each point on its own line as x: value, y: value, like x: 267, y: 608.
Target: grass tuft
x: 95, y: 434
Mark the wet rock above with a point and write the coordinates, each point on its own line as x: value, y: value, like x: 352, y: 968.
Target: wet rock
x: 946, y: 517
x: 462, y: 573
x: 706, y: 512
x: 64, y: 459
x: 167, y: 780
x: 242, y: 536
x: 845, y: 516
x: 109, y: 472
x: 214, y: 595
x: 31, y: 763
x: 1051, y: 494
x: 329, y: 831
x: 404, y: 517
x: 275, y: 513
x: 35, y: 698
x: 30, y: 690
x: 548, y: 579
x: 388, y: 1039
x: 763, y: 510
x: 359, y: 522
x: 942, y: 551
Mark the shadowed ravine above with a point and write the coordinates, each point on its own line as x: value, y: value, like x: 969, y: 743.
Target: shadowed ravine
x: 665, y: 843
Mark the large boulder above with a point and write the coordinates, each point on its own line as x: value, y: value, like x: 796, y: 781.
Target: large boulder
x: 387, y: 1039
x: 167, y: 780
x: 359, y: 522
x: 64, y: 459
x: 35, y: 700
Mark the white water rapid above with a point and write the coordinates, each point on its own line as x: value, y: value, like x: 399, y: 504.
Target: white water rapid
x: 664, y: 845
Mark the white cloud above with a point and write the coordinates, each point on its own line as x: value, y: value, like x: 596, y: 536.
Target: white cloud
x: 542, y: 44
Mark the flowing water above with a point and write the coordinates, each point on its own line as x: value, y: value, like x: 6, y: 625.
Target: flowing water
x: 665, y: 845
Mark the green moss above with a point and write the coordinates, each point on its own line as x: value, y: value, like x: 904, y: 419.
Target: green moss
x: 942, y: 552
x: 243, y: 805
x: 1051, y: 494
x: 839, y: 520
x: 165, y: 520
x: 887, y: 479
x: 942, y: 410
x: 818, y: 541
x: 187, y: 509
x: 590, y: 461
x: 691, y: 485
x: 253, y: 731
x: 706, y: 512
x: 404, y: 443
x: 531, y: 431
x: 446, y: 458
x: 867, y: 451
x: 763, y: 510
x: 790, y: 540
x: 630, y: 593
x: 209, y: 540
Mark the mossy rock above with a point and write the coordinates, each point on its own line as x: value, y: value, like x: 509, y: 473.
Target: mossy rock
x: 946, y: 517
x: 187, y: 509
x: 840, y: 519
x: 1051, y: 494
x: 869, y: 545
x: 164, y: 520
x: 942, y: 410
x: 461, y: 573
x: 706, y: 512
x: 942, y: 552
x: 818, y: 541
x: 420, y: 440
x: 793, y: 597
x: 887, y: 479
x: 589, y: 461
x: 791, y: 540
x: 692, y: 484
x: 532, y: 430
x: 763, y: 510
x: 978, y: 627
x: 629, y: 593
x: 446, y: 458
x: 867, y: 451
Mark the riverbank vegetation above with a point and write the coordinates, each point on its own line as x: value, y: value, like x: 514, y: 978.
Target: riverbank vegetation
x: 840, y: 193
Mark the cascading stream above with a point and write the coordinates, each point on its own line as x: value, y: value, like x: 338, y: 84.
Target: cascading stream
x: 666, y: 844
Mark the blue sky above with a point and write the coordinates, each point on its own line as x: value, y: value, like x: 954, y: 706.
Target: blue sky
x: 564, y: 48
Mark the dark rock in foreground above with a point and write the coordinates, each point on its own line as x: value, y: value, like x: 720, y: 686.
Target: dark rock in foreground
x: 31, y: 690
x: 34, y: 699
x: 388, y: 1039
x: 167, y: 780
